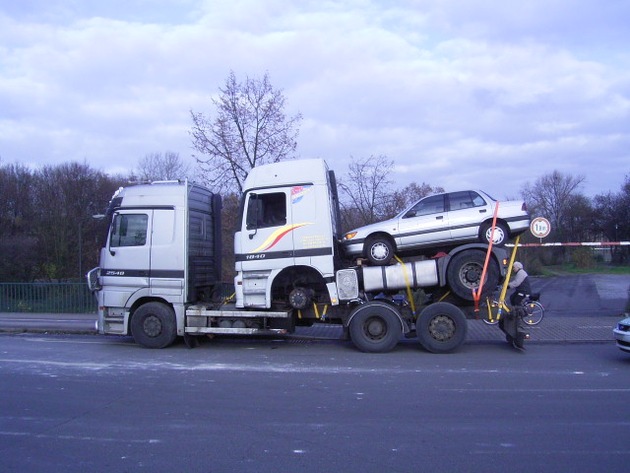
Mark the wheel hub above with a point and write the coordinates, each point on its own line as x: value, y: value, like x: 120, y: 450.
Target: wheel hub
x: 442, y: 328
x: 472, y: 274
x: 380, y: 251
x: 152, y: 326
x: 375, y: 328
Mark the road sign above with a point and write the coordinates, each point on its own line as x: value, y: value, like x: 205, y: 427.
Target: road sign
x: 540, y: 227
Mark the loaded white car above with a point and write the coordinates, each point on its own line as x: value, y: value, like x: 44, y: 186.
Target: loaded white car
x: 438, y: 221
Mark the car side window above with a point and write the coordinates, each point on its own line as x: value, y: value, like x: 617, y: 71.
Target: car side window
x: 478, y: 201
x: 427, y: 206
x: 465, y: 200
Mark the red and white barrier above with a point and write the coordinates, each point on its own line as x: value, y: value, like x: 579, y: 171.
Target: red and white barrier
x: 582, y: 243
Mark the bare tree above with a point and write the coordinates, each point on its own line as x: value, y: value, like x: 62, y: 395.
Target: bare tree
x: 612, y: 218
x: 17, y: 212
x: 408, y: 195
x: 366, y: 190
x: 250, y: 128
x: 66, y: 196
x: 162, y: 167
x: 551, y: 196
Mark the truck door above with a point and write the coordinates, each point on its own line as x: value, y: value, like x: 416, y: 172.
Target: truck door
x: 266, y: 233
x: 125, y: 261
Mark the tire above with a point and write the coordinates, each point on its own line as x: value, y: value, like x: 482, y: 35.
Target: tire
x: 501, y: 234
x: 441, y: 328
x: 379, y: 250
x: 464, y: 273
x: 534, y: 313
x: 153, y: 325
x: 375, y: 327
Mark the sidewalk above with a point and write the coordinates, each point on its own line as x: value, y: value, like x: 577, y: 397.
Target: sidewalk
x: 550, y: 330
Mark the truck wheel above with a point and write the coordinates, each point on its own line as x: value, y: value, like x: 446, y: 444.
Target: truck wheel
x: 501, y: 234
x: 464, y: 273
x: 379, y: 250
x: 375, y: 327
x: 153, y: 325
x: 441, y: 327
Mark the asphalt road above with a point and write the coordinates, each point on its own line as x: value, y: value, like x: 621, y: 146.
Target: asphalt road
x: 584, y: 295
x: 84, y: 403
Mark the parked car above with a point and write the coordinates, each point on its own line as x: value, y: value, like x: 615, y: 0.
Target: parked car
x: 622, y: 334
x: 437, y: 222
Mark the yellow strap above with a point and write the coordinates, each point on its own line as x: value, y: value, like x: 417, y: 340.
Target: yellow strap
x: 408, y: 284
x: 504, y: 288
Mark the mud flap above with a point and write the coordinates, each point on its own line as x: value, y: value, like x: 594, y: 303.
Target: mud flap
x: 191, y: 341
x: 512, y: 325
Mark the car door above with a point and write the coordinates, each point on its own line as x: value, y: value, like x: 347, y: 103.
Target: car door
x: 424, y: 224
x: 467, y: 209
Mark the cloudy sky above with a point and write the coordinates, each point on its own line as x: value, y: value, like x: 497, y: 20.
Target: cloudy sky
x: 459, y: 93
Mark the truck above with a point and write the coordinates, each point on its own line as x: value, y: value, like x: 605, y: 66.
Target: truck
x: 159, y: 274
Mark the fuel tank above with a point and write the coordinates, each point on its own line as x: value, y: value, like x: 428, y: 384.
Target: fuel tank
x: 399, y: 276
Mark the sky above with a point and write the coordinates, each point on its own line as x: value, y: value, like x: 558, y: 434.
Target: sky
x: 457, y: 93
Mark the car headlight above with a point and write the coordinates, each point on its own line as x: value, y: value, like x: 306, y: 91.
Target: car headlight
x: 350, y: 235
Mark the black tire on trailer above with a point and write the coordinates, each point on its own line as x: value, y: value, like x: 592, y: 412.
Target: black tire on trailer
x: 375, y: 327
x: 379, y: 250
x: 153, y: 325
x: 464, y: 273
x: 441, y: 327
x: 501, y: 234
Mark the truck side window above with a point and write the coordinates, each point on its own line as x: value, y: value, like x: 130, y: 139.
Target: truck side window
x: 266, y: 210
x: 129, y: 230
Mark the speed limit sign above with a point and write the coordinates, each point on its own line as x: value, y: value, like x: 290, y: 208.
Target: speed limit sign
x: 540, y: 227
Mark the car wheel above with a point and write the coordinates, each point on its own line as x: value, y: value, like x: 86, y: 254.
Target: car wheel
x: 500, y: 237
x: 464, y: 273
x: 379, y: 250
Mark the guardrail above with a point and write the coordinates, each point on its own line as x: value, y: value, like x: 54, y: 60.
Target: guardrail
x: 46, y: 297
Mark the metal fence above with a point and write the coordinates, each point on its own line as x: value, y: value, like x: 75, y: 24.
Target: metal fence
x: 46, y: 297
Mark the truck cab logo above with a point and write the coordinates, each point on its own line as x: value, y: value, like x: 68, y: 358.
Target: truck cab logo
x: 298, y: 192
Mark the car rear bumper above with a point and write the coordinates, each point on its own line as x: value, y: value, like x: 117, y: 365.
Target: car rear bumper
x: 518, y: 225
